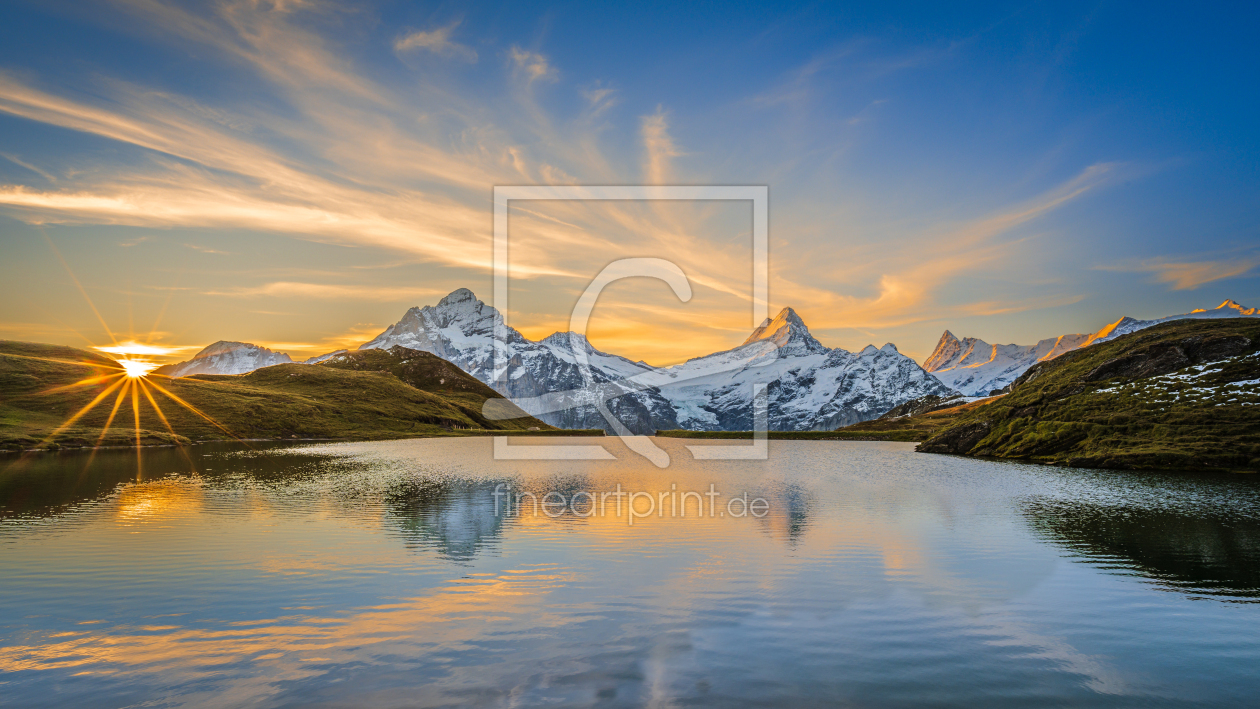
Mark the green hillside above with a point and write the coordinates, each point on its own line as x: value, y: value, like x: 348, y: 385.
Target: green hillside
x: 1182, y: 395
x: 373, y: 395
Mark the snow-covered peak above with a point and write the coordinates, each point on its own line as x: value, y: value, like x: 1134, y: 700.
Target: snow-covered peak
x: 462, y: 307
x: 1126, y: 325
x: 324, y: 357
x: 226, y: 357
x: 975, y: 367
x: 945, y: 354
x: 568, y: 341
x: 788, y: 333
x: 225, y: 346
x: 456, y: 297
x: 1236, y: 309
x: 458, y: 322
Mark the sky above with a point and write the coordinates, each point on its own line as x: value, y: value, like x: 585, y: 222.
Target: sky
x: 298, y: 173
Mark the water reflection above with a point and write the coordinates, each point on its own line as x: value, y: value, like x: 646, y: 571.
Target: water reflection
x: 790, y: 520
x: 1190, y: 553
x: 454, y: 519
x: 53, y: 484
x: 50, y: 484
x: 380, y: 574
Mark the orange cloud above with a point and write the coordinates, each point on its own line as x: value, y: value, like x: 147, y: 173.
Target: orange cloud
x: 1189, y: 275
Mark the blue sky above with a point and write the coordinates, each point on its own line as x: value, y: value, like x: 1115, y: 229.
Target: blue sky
x: 299, y: 173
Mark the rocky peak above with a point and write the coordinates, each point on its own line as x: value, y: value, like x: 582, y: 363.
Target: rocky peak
x: 566, y: 340
x: 226, y: 346
x: 226, y: 357
x: 946, y: 353
x: 787, y: 330
x: 458, y: 297
x: 1241, y: 309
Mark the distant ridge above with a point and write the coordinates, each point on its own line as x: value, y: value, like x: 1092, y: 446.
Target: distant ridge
x: 226, y: 357
x: 975, y: 368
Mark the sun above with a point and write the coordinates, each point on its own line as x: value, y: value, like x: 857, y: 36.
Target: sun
x: 133, y: 379
x: 135, y: 368
x: 131, y: 347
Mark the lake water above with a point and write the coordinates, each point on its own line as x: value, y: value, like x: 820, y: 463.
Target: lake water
x: 381, y: 574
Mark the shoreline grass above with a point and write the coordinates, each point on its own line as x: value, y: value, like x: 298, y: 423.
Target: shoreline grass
x: 839, y: 435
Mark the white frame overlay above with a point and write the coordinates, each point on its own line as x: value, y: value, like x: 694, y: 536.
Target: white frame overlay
x: 757, y: 194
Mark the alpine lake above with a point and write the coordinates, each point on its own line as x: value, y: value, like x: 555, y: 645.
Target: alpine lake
x: 426, y: 573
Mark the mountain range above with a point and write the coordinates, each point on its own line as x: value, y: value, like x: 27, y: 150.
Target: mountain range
x: 976, y: 368
x: 810, y: 387
x: 564, y: 380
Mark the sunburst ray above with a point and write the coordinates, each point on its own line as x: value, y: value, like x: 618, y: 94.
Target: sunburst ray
x: 122, y: 395
x: 165, y: 422
x: 173, y: 397
x: 81, y: 383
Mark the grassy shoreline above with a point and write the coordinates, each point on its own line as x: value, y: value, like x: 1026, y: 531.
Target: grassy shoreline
x: 840, y: 435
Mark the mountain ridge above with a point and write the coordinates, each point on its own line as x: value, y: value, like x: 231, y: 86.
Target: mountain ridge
x: 226, y: 357
x: 810, y: 386
x: 975, y: 368
x: 1179, y: 395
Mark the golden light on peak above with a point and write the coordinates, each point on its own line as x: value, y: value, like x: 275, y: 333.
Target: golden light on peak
x: 131, y: 347
x: 136, y: 368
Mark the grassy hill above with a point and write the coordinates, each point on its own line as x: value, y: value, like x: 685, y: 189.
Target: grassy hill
x: 1182, y: 395
x: 912, y: 428
x: 373, y: 395
x: 897, y: 425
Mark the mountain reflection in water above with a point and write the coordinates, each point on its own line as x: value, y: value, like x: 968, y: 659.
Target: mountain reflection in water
x: 454, y: 519
x: 380, y: 574
x: 1193, y: 554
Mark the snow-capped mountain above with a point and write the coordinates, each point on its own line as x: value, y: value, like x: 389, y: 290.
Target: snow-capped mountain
x: 1125, y: 325
x: 225, y: 357
x: 974, y: 367
x: 809, y: 386
x: 324, y: 357
x: 460, y: 329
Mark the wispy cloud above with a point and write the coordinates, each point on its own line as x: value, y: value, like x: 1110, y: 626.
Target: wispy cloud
x: 1189, y: 275
x: 910, y: 278
x: 600, y: 98
x: 438, y: 42
x: 659, y: 149
x: 207, y: 250
x: 17, y: 161
x: 335, y: 156
x: 349, y: 339
x: 532, y: 64
x: 1006, y: 307
x: 329, y: 291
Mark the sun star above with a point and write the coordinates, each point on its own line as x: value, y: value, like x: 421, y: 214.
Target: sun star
x: 136, y: 368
